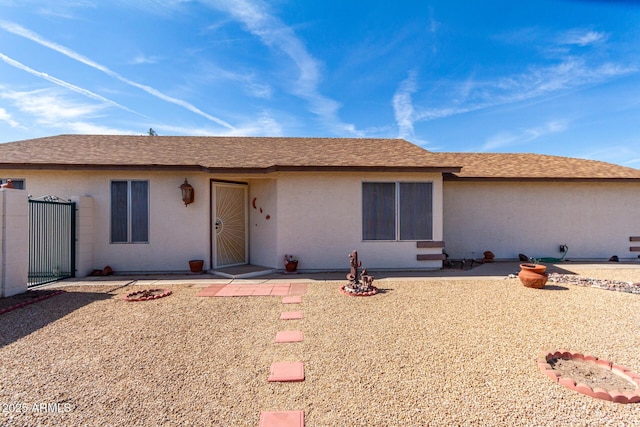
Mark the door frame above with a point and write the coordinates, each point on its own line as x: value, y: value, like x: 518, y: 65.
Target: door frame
x: 212, y: 215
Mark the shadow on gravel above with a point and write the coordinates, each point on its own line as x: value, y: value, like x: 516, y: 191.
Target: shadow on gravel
x: 23, y: 321
x: 554, y: 288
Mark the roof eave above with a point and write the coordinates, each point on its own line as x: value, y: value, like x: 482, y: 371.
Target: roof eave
x: 315, y: 168
x: 60, y: 166
x: 451, y: 177
x: 231, y: 170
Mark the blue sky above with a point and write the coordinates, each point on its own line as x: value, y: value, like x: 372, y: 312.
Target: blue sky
x: 554, y: 77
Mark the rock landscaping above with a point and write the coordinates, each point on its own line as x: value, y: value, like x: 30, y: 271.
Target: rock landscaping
x: 424, y: 352
x: 610, y: 285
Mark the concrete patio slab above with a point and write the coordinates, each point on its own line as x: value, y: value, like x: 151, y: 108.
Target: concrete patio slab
x: 261, y: 291
x: 489, y: 271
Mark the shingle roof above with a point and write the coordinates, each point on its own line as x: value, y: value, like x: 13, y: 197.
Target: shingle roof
x: 218, y: 153
x: 534, y: 167
x: 266, y: 154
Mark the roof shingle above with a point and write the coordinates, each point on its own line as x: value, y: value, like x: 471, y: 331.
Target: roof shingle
x: 266, y: 154
x: 218, y: 153
x: 533, y: 166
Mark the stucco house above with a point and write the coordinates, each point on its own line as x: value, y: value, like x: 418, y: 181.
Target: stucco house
x: 257, y: 199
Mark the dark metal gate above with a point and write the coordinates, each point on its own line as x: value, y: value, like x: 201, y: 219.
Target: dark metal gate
x: 52, y: 237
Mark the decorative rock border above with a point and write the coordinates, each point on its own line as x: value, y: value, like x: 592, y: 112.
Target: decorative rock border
x: 599, y: 393
x: 22, y: 304
x: 610, y: 285
x: 144, y: 295
x: 373, y: 291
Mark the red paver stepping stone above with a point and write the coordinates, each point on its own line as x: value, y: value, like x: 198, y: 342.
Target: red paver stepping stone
x: 292, y: 299
x: 282, y: 419
x: 280, y: 290
x: 261, y: 291
x: 291, y: 315
x: 289, y: 336
x: 286, y: 372
x: 298, y: 289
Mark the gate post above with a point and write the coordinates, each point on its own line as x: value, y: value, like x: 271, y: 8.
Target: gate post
x: 84, y: 235
x: 14, y: 242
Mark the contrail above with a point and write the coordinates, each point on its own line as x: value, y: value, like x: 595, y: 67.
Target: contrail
x: 30, y: 35
x: 64, y: 84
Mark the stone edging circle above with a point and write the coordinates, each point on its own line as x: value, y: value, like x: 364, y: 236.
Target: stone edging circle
x: 373, y: 291
x: 598, y: 393
x: 22, y: 304
x: 138, y: 295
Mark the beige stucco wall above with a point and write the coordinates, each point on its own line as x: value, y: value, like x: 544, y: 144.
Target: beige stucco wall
x: 594, y: 219
x: 320, y: 220
x: 14, y: 242
x: 316, y: 216
x: 262, y: 222
x: 176, y: 233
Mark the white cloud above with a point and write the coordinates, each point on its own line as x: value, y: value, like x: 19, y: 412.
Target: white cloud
x: 62, y: 83
x: 524, y: 136
x: 582, y: 37
x: 403, y: 106
x: 49, y: 106
x: 6, y: 117
x: 143, y: 59
x: 53, y: 109
x: 538, y: 82
x: 93, y: 129
x: 23, y: 32
x: 265, y: 125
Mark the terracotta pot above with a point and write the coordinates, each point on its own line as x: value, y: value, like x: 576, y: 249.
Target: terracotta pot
x: 291, y: 266
x: 196, y: 265
x: 533, y: 275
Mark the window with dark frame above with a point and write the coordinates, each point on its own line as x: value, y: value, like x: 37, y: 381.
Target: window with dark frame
x: 129, y: 211
x: 397, y: 211
x: 18, y: 184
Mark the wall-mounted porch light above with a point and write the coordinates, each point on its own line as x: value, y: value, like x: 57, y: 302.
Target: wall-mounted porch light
x: 187, y: 192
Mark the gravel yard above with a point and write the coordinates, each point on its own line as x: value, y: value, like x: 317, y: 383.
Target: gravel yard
x: 430, y: 352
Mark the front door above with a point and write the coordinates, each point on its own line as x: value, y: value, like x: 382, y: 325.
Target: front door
x: 229, y: 224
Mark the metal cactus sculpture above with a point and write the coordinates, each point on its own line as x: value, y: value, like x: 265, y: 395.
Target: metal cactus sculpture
x: 359, y: 284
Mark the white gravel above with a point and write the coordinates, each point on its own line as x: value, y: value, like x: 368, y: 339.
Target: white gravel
x: 433, y: 352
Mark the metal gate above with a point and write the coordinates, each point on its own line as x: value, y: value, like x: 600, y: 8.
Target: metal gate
x: 52, y: 237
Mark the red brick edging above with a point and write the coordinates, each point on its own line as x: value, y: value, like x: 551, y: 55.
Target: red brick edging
x: 22, y: 304
x: 373, y: 291
x: 132, y: 296
x: 598, y: 393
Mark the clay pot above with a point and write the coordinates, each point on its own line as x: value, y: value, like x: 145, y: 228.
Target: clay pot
x: 196, y: 265
x: 533, y: 275
x: 291, y: 266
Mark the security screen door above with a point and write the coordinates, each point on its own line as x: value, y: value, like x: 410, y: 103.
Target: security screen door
x: 229, y: 224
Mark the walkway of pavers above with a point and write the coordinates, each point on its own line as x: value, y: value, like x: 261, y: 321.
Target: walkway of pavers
x: 253, y: 289
x: 279, y: 371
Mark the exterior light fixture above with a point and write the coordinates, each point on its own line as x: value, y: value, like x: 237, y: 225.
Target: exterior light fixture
x: 187, y: 192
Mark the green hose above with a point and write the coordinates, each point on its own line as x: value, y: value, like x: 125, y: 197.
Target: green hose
x: 548, y: 259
